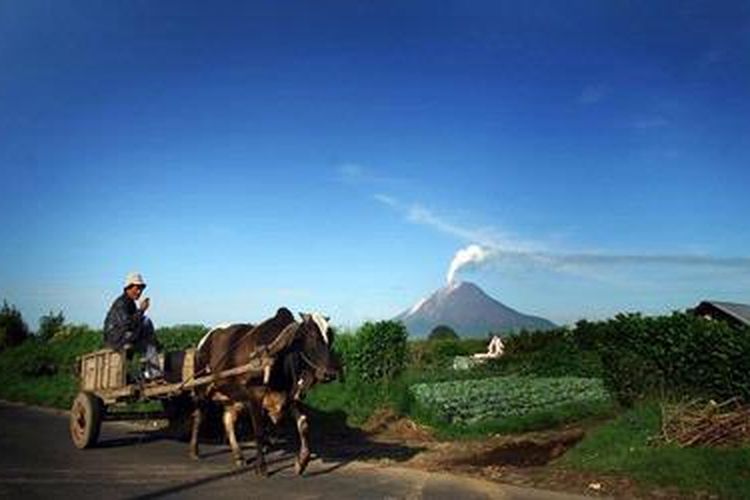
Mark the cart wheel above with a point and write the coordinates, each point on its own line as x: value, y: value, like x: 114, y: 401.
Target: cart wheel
x: 85, y: 420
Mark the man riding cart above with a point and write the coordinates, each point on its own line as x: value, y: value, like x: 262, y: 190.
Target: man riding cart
x: 127, y: 328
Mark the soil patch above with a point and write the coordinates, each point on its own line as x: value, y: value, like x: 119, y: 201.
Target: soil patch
x: 524, y: 451
x: 385, y: 425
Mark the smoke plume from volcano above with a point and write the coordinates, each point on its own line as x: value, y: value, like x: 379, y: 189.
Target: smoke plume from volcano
x: 473, y: 255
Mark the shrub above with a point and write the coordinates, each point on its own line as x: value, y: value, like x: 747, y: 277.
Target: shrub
x: 437, y: 356
x: 344, y: 347
x: 179, y: 337
x: 675, y: 354
x: 13, y: 330
x: 379, y: 351
x: 50, y: 324
x: 442, y: 332
x: 557, y: 357
x: 637, y: 356
x: 527, y: 341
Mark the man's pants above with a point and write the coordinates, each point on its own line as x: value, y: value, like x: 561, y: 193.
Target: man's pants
x: 144, y: 341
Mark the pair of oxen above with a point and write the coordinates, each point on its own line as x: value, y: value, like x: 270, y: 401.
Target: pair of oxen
x: 302, y: 355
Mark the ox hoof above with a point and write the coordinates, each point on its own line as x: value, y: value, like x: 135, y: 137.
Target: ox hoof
x: 261, y: 470
x: 239, y: 462
x: 301, y: 464
x: 194, y: 455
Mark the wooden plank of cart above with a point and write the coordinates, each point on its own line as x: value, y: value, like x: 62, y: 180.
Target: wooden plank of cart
x: 104, y: 388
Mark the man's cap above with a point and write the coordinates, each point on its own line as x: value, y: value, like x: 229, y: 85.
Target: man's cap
x: 134, y: 279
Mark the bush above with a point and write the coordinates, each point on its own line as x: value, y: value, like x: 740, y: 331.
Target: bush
x: 677, y: 354
x: 344, y: 347
x: 437, y: 355
x: 554, y: 357
x: 379, y: 351
x: 179, y: 337
x: 442, y: 332
x: 527, y: 341
x: 637, y: 356
x: 50, y: 324
x: 13, y: 330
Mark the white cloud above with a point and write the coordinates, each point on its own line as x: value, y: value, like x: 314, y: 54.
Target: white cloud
x: 490, y: 246
x: 386, y: 200
x: 487, y: 236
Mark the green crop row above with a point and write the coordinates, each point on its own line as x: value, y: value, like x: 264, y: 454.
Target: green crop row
x: 472, y: 401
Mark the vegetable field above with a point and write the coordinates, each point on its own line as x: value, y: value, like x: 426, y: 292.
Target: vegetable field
x: 472, y: 401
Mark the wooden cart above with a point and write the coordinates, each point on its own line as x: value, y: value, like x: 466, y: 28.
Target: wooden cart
x: 104, y: 387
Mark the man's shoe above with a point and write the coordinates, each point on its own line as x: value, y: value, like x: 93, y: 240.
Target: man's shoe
x: 152, y: 373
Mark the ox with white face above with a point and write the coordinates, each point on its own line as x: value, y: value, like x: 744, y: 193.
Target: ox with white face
x: 322, y: 323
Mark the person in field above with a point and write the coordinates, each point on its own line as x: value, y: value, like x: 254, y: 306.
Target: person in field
x: 127, y: 326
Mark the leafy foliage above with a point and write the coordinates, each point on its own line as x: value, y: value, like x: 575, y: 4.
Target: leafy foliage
x: 470, y: 401
x: 437, y: 355
x: 379, y: 352
x: 677, y: 354
x: 50, y: 324
x: 442, y: 332
x: 13, y: 330
x: 638, y: 356
x: 44, y: 372
x: 178, y: 337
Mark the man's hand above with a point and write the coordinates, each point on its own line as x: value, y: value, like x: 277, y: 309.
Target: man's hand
x: 144, y: 304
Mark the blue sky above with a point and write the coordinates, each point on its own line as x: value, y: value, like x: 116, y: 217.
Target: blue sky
x: 336, y: 156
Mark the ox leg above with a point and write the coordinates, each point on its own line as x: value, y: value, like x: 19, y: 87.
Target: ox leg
x: 303, y: 458
x: 260, y: 459
x: 197, y: 416
x: 230, y: 418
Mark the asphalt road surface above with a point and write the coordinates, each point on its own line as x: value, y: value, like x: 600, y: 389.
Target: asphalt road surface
x: 38, y: 460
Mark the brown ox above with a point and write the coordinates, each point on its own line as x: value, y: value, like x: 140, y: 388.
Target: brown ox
x: 303, y: 357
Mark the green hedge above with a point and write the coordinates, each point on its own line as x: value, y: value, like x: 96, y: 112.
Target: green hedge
x: 637, y: 356
x: 677, y: 354
x: 378, y: 351
x: 44, y: 372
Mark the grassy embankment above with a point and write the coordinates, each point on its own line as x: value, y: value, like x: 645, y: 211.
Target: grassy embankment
x: 624, y: 446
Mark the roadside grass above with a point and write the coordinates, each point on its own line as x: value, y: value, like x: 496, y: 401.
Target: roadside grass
x: 622, y: 447
x: 360, y: 400
x: 56, y: 391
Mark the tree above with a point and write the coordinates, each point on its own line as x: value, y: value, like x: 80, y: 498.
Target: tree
x: 442, y: 332
x: 380, y: 351
x: 50, y: 324
x: 13, y: 330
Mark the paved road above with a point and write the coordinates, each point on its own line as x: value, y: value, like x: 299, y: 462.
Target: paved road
x: 37, y: 460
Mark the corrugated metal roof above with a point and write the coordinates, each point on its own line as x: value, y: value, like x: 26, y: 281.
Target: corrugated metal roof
x: 740, y: 312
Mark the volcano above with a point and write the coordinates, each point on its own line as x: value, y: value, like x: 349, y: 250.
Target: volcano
x: 469, y: 311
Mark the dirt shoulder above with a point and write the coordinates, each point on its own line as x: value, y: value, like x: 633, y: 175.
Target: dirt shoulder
x: 527, y: 460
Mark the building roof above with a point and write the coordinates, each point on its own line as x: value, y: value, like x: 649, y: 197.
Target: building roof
x: 740, y: 312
